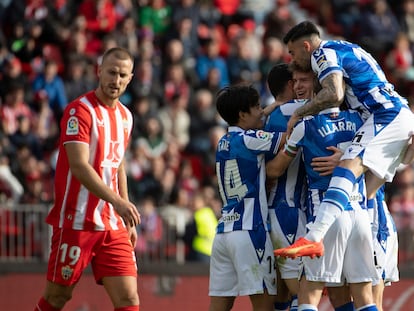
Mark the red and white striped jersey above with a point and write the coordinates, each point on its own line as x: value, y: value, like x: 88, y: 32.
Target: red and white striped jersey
x: 107, y: 131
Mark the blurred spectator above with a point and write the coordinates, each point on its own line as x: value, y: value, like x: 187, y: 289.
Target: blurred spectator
x: 150, y: 230
x: 156, y: 15
x: 242, y: 66
x: 144, y: 84
x: 347, y: 14
x: 45, y: 125
x: 209, y: 59
x: 24, y: 136
x: 126, y: 35
x: 176, y: 120
x: 274, y: 53
x: 187, y: 179
x: 174, y: 54
x: 123, y: 9
x: 136, y: 166
x: 100, y: 16
x: 256, y: 9
x: 12, y: 74
x: 203, y: 117
x: 13, y: 107
x: 228, y: 9
x: 11, y: 187
x: 209, y: 158
x: 378, y: 28
x: 142, y: 108
x: 401, y: 205
x: 405, y: 16
x: 212, y: 83
x: 152, y: 142
x: 185, y: 20
x: 200, y: 232
x: 34, y: 173
x: 278, y: 21
x: 176, y: 83
x: 176, y: 213
x: 77, y: 78
x: 50, y: 81
x: 399, y: 64
x: 81, y: 43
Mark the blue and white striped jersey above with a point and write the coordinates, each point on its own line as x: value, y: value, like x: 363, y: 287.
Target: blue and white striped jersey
x: 290, y: 188
x: 241, y: 174
x: 367, y: 88
x: 315, y: 133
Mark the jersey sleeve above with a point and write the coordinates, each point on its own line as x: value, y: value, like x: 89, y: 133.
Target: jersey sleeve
x: 324, y: 61
x: 259, y: 141
x: 76, y: 123
x: 294, y: 141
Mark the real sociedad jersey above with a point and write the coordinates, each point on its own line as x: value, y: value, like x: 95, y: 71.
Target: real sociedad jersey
x: 241, y: 174
x: 367, y: 89
x: 290, y: 188
x: 314, y: 134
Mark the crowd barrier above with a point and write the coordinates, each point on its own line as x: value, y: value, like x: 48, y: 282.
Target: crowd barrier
x: 25, y: 238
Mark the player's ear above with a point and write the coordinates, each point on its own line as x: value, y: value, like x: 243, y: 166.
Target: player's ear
x: 307, y: 45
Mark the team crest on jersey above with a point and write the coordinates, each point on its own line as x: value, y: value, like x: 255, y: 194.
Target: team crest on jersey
x: 67, y: 272
x: 263, y: 135
x: 72, y: 126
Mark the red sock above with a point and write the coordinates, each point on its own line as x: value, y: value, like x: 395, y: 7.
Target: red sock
x: 43, y: 305
x: 129, y: 308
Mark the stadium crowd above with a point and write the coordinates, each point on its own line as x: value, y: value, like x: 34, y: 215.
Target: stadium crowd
x: 185, y: 50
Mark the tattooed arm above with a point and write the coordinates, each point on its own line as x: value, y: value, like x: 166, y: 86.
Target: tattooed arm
x: 331, y: 95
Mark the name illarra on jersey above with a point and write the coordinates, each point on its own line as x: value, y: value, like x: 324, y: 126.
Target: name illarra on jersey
x: 339, y: 126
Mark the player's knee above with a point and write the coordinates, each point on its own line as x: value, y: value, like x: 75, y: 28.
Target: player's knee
x: 58, y: 300
x: 128, y: 299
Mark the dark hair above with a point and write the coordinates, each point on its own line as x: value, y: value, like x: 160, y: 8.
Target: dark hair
x: 302, y: 29
x: 232, y: 100
x: 278, y: 77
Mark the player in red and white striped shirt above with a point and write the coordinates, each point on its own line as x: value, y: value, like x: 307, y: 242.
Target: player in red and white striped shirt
x: 93, y: 220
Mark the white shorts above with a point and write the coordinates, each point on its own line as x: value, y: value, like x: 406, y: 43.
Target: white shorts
x: 381, y: 143
x: 348, y: 252
x: 284, y: 233
x: 386, y: 249
x: 242, y: 264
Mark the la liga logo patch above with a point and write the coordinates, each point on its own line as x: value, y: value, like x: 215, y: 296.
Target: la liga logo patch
x: 263, y: 135
x: 72, y: 126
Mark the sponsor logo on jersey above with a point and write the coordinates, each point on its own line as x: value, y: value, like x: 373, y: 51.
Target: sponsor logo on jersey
x: 231, y: 217
x: 67, y: 272
x: 72, y: 126
x: 355, y: 197
x: 263, y: 135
